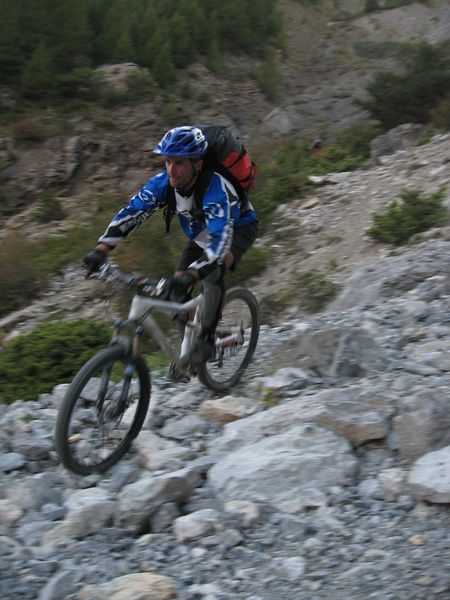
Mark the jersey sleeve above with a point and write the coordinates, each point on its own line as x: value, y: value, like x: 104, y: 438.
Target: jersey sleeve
x: 151, y: 197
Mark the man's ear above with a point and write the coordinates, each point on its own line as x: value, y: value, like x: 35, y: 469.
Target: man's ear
x: 198, y: 164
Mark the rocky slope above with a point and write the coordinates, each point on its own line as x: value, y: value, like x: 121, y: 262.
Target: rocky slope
x: 333, y: 53
x: 326, y: 231
x: 324, y: 476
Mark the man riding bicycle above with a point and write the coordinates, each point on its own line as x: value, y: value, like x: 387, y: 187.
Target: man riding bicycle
x: 219, y: 234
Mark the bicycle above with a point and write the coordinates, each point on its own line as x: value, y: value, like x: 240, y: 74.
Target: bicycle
x: 105, y: 405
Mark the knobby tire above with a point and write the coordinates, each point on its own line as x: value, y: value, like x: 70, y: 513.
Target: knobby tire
x: 214, y: 376
x: 65, y: 446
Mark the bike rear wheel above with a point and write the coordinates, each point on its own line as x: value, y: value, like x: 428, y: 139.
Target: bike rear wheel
x: 236, y: 338
x: 103, y: 411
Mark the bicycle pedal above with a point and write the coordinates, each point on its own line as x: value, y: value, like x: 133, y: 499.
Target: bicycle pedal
x: 177, y: 375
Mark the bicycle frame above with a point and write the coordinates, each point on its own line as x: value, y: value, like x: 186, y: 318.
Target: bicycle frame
x: 106, y: 403
x: 142, y: 306
x: 140, y: 311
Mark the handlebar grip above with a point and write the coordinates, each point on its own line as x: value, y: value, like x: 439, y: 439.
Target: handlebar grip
x: 91, y: 269
x: 144, y: 285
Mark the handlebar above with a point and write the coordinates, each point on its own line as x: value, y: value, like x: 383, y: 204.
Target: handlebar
x: 143, y: 285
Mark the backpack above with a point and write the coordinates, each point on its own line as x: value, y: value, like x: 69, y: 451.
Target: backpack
x: 227, y: 156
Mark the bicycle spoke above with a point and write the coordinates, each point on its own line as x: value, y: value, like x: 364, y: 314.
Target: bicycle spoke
x: 104, y: 409
x: 100, y: 435
x: 236, y: 338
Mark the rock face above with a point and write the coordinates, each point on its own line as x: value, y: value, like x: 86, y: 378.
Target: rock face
x: 397, y: 139
x: 117, y: 77
x: 327, y: 233
x: 430, y: 477
x: 278, y: 469
x: 305, y: 476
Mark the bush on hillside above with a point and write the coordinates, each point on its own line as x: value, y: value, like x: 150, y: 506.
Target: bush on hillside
x: 268, y: 76
x: 284, y: 175
x: 26, y: 265
x: 78, y: 83
x: 314, y: 291
x: 19, y: 282
x: 347, y: 151
x: 29, y: 130
x: 50, y: 208
x: 411, y: 96
x: 440, y: 115
x: 413, y: 213
x: 52, y: 353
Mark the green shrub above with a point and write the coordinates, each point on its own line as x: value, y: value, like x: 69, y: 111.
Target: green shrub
x: 77, y: 83
x: 25, y: 265
x: 272, y: 306
x: 29, y: 130
x: 141, y: 87
x: 19, y: 282
x: 347, y: 151
x: 50, y: 208
x: 314, y: 291
x: 440, y: 115
x: 409, y: 97
x: 157, y: 360
x: 376, y: 49
x: 411, y: 214
x: 267, y: 76
x: 371, y: 5
x: 52, y: 353
x: 283, y: 176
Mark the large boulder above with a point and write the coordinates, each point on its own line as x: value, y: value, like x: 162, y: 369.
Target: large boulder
x: 279, y: 469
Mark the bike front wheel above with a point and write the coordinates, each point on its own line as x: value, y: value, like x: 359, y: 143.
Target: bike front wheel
x: 236, y: 338
x: 103, y: 411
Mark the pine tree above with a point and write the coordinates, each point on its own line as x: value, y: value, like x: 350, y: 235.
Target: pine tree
x: 181, y: 43
x: 162, y: 66
x: 124, y: 51
x: 115, y: 23
x: 66, y: 33
x: 11, y: 57
x: 38, y: 77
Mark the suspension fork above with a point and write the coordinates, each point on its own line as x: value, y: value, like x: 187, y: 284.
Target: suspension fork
x: 132, y: 350
x: 191, y: 329
x: 129, y: 370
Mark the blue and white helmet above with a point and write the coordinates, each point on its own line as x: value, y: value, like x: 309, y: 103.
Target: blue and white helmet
x: 183, y: 141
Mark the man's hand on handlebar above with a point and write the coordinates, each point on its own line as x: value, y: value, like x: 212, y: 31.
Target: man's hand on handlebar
x: 94, y: 260
x: 181, y: 286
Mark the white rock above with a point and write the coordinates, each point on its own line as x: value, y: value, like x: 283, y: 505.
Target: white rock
x: 429, y: 477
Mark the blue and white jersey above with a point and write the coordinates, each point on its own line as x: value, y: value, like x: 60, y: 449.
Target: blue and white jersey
x: 214, y: 233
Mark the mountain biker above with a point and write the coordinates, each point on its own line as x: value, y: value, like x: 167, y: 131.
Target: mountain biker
x: 218, y: 235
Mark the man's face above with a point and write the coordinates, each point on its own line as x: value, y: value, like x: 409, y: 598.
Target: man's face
x: 181, y: 170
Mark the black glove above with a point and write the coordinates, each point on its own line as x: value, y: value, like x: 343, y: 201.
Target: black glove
x: 94, y: 260
x: 181, y: 286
